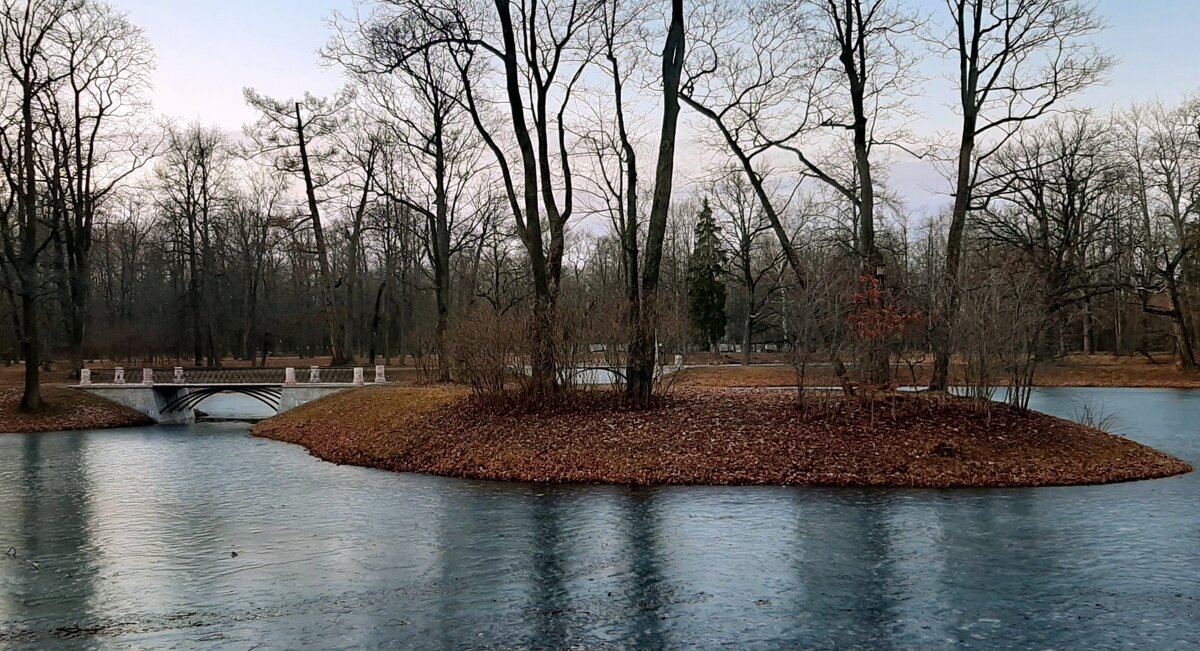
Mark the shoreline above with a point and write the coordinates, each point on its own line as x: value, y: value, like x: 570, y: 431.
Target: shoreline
x: 714, y: 437
x: 66, y: 410
x: 1065, y: 375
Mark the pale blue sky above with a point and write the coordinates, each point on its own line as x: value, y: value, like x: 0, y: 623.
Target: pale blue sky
x: 209, y: 50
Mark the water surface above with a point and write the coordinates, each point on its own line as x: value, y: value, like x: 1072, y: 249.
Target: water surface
x: 125, y: 539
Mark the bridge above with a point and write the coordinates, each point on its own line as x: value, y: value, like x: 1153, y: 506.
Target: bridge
x: 172, y: 395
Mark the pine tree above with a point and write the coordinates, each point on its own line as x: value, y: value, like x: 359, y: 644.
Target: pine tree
x: 706, y: 292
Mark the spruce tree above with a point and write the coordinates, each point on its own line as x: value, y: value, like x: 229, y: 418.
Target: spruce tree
x: 706, y: 291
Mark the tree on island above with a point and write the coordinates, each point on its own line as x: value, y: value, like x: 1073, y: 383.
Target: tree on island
x: 1016, y: 63
x: 706, y: 292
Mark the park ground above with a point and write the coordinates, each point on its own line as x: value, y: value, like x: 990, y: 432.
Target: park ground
x: 706, y: 370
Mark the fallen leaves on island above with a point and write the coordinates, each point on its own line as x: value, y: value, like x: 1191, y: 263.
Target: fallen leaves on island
x: 714, y: 437
x: 65, y: 410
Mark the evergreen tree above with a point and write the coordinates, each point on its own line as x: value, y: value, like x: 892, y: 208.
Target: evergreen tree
x: 706, y: 292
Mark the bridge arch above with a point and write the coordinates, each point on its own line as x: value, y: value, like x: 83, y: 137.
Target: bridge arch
x: 267, y: 395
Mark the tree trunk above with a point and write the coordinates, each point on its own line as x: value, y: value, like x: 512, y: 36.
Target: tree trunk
x: 1179, y: 327
x: 31, y: 400
x: 335, y: 327
x: 1088, y: 336
x: 27, y: 269
x: 78, y: 318
x: 543, y: 369
x: 441, y: 248
x: 958, y: 220
x: 643, y: 349
x: 748, y: 334
x: 376, y: 315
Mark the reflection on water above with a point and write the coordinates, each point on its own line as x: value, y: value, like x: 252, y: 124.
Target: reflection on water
x: 233, y: 406
x: 125, y: 539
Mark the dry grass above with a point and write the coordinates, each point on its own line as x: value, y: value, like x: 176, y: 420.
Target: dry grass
x: 714, y: 437
x: 65, y: 409
x: 1099, y: 371
x: 363, y: 423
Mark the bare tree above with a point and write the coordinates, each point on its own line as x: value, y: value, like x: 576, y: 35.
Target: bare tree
x: 774, y: 79
x: 95, y: 142
x: 1052, y: 196
x: 540, y: 51
x: 1016, y: 61
x: 256, y: 215
x: 286, y: 131
x: 1160, y: 148
x: 643, y: 352
x: 422, y: 106
x: 191, y: 179
x: 754, y: 263
x: 31, y: 34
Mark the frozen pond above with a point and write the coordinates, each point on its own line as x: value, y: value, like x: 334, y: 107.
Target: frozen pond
x: 125, y: 539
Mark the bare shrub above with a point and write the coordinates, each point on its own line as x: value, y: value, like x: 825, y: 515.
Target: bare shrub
x: 816, y: 319
x: 424, y: 356
x: 1090, y: 412
x: 1001, y: 318
x: 484, y: 349
x: 490, y: 351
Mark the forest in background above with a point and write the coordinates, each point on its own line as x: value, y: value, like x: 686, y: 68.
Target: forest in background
x: 495, y: 188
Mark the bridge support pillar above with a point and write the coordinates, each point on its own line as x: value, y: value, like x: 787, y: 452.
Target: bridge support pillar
x: 148, y: 399
x: 293, y: 396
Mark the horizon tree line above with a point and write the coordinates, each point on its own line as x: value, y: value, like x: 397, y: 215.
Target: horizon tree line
x: 498, y: 167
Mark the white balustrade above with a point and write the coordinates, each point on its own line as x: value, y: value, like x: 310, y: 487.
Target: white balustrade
x: 85, y: 377
x: 178, y: 375
x: 118, y: 375
x: 314, y: 374
x: 289, y: 376
x: 358, y: 376
x: 379, y: 375
x: 147, y: 376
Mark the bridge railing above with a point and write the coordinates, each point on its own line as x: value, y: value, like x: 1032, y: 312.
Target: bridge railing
x: 234, y: 375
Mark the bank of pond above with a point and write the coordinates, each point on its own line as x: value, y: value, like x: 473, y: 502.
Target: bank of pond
x: 65, y: 410
x: 715, y: 437
x: 689, y: 437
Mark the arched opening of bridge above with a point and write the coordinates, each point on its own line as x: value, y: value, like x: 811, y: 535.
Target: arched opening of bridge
x: 267, y: 395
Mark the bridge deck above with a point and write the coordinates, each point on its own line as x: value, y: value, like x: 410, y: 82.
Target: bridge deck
x: 217, y: 385
x: 233, y: 377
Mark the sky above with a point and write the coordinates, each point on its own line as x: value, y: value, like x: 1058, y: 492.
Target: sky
x: 209, y: 50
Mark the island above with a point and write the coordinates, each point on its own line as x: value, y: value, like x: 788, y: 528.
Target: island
x: 714, y: 437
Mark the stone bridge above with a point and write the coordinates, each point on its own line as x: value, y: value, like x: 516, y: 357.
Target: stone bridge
x: 172, y: 395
